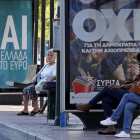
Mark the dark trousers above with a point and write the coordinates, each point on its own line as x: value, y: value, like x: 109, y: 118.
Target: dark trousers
x: 110, y: 99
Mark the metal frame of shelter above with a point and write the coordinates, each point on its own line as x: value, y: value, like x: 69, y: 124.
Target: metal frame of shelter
x: 35, y: 36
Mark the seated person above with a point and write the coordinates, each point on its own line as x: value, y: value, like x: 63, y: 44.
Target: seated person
x: 128, y: 103
x: 49, y: 72
x: 110, y: 96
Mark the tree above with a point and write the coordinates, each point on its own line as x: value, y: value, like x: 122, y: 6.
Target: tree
x: 47, y: 19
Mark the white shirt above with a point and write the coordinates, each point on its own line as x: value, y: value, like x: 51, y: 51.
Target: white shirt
x: 48, y: 71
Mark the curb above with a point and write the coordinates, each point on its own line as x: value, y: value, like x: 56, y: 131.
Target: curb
x: 135, y: 134
x: 25, y: 134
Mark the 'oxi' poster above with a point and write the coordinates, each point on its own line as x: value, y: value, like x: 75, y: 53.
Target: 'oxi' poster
x: 104, y: 38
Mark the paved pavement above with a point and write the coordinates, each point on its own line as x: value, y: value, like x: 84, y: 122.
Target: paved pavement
x: 37, y: 128
x: 3, y: 137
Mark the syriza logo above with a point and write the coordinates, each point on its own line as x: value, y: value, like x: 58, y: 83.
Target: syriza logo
x: 86, y: 1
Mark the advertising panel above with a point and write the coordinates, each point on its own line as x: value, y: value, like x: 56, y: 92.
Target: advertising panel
x: 56, y: 35
x: 15, y: 40
x: 102, y: 40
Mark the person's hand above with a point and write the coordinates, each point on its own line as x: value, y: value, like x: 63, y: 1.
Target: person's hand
x: 119, y: 73
x: 134, y: 68
x: 97, y: 56
x: 84, y: 75
x: 130, y: 56
x: 88, y: 58
x: 94, y: 67
x: 113, y: 86
x: 48, y: 79
x: 34, y: 80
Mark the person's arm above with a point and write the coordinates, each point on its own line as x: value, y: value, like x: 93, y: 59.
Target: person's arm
x: 38, y: 74
x: 35, y: 77
x: 54, y: 74
x: 52, y: 78
x: 119, y: 73
x: 128, y: 86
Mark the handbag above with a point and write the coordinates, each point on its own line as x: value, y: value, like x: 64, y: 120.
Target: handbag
x: 40, y: 78
x: 135, y: 88
x: 50, y: 86
x: 134, y: 80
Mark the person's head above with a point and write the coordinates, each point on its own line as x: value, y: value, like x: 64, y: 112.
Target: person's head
x: 51, y: 56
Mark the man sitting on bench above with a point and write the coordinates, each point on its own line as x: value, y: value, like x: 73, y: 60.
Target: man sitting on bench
x: 49, y: 73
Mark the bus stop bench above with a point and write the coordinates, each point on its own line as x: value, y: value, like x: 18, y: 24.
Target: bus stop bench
x: 32, y: 69
x: 50, y: 103
x: 91, y: 120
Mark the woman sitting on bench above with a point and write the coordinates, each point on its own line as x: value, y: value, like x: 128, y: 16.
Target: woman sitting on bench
x: 111, y: 96
x: 127, y: 105
x: 49, y: 73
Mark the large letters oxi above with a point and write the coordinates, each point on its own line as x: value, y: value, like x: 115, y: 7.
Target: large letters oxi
x: 116, y: 25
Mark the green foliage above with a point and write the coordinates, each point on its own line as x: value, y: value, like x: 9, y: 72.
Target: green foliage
x: 47, y: 19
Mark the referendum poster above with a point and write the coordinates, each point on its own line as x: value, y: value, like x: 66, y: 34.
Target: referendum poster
x: 15, y: 40
x: 104, y: 42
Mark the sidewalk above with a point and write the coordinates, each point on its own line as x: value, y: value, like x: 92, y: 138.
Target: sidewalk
x: 37, y: 128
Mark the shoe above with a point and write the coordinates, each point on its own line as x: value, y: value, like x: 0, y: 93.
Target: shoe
x: 74, y: 107
x: 22, y: 113
x: 108, y: 121
x: 122, y: 134
x: 109, y: 133
x: 32, y: 113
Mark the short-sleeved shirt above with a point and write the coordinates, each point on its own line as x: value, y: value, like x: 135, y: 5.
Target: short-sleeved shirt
x: 48, y: 71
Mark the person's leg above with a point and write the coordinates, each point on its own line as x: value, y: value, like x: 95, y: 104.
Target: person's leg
x: 130, y: 97
x: 25, y: 100
x: 26, y: 92
x: 128, y: 114
x: 116, y: 94
x: 29, y: 92
x: 36, y: 108
x: 108, y: 104
x: 33, y: 97
x: 128, y: 103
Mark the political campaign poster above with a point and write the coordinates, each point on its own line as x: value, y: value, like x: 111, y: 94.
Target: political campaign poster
x: 104, y: 39
x: 15, y: 40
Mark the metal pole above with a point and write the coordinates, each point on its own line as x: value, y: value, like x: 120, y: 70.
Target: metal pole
x: 57, y: 101
x: 51, y: 22
x: 35, y: 38
x: 63, y: 120
x: 43, y: 31
x: 62, y: 56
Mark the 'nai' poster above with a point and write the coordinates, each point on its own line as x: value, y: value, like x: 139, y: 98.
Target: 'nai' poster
x: 15, y: 40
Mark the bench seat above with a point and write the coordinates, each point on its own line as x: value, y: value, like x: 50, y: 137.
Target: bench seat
x: 32, y: 69
x: 50, y: 103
